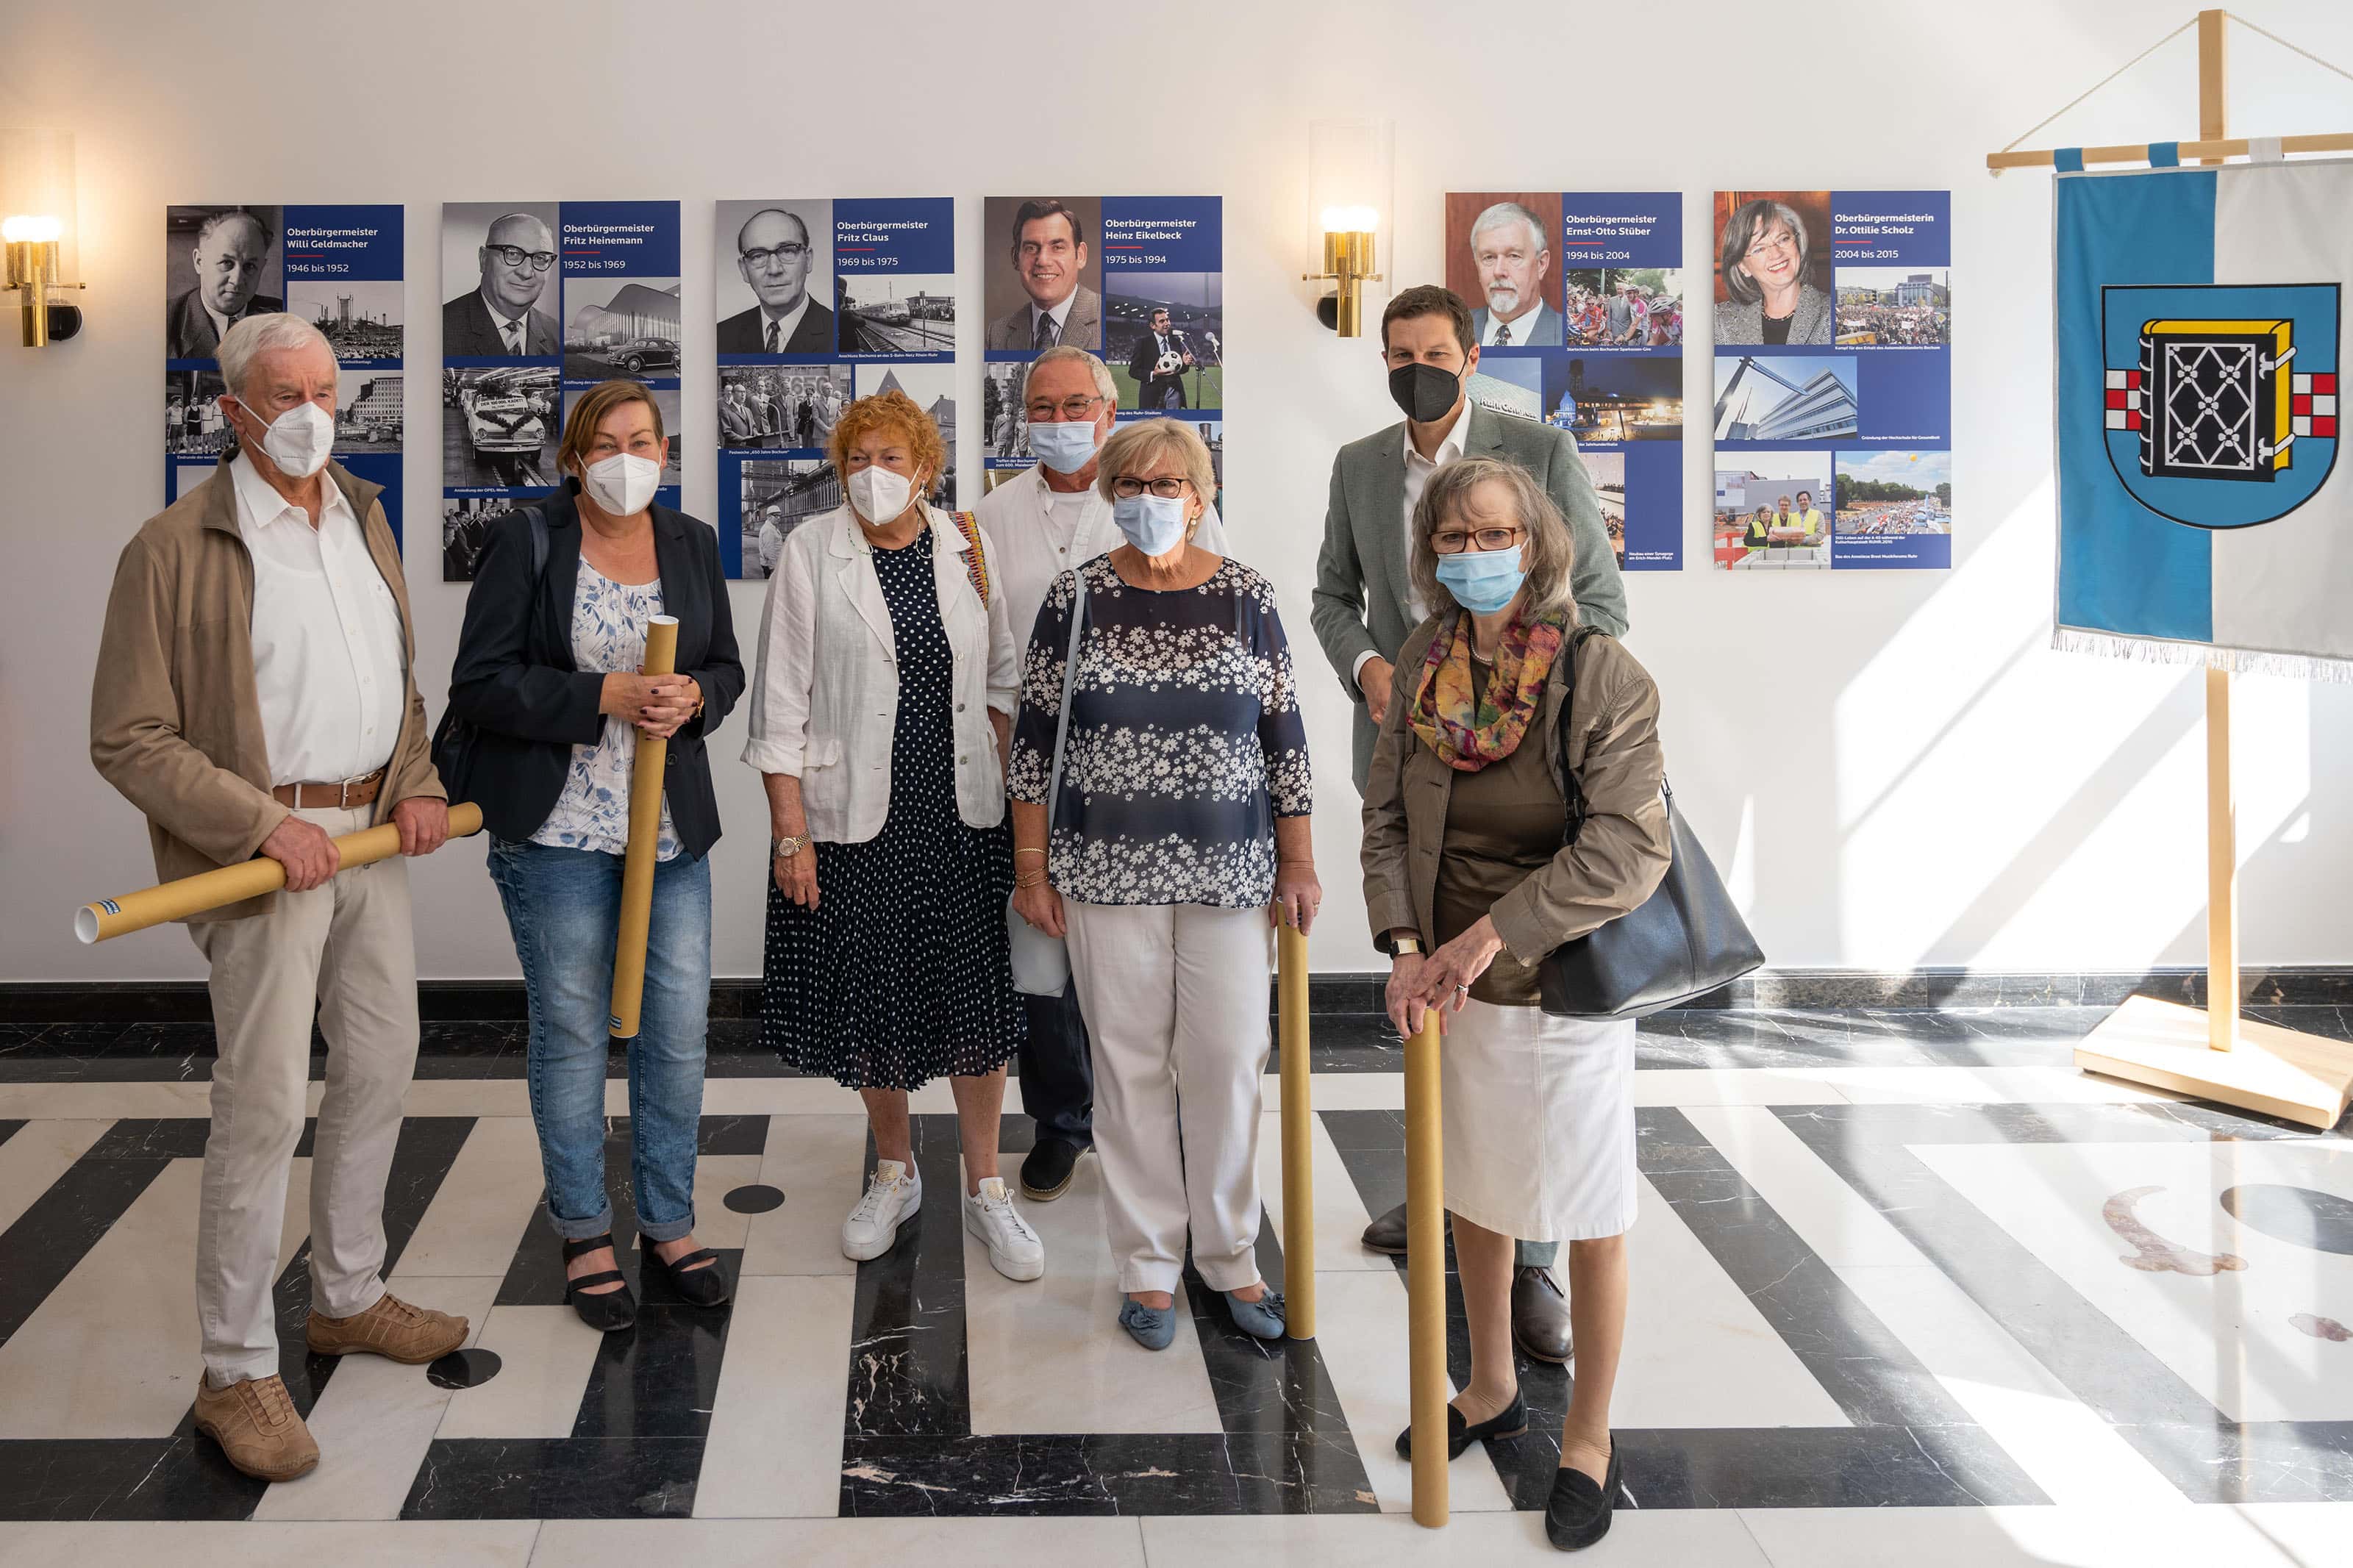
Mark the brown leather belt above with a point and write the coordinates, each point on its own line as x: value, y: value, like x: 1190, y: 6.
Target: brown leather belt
x: 360, y: 791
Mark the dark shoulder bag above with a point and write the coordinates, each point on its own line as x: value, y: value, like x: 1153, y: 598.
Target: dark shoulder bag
x: 454, y: 740
x: 1686, y: 939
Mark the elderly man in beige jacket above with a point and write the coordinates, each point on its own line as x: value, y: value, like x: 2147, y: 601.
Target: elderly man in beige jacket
x: 255, y: 696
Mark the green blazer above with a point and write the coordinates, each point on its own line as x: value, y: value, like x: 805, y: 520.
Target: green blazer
x: 1362, y: 580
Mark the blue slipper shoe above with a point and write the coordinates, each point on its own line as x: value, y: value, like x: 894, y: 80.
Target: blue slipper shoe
x: 1261, y: 1319
x: 1153, y: 1328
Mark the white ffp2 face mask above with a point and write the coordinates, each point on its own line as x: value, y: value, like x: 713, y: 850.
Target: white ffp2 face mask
x: 622, y: 484
x: 879, y: 495
x: 299, y: 440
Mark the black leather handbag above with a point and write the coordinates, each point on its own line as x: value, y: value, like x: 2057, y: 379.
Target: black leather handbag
x: 1686, y: 939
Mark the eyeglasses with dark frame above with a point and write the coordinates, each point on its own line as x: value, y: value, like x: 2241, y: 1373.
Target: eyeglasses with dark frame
x: 787, y: 253
x: 1073, y: 407
x: 1452, y: 541
x: 515, y: 256
x: 1127, y: 488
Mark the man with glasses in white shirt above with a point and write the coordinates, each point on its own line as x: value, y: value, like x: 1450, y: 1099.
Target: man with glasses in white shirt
x: 500, y: 319
x: 1044, y: 522
x: 773, y: 255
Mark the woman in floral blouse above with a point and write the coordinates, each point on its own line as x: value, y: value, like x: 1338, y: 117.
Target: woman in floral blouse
x: 1178, y: 836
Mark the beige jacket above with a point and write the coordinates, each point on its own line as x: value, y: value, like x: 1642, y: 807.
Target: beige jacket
x: 1617, y: 862
x: 174, y: 718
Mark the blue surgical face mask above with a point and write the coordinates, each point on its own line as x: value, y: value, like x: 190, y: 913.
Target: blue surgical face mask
x: 1065, y: 446
x: 1482, y: 581
x: 1154, y: 524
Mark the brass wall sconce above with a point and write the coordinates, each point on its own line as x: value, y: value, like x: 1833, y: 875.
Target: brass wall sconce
x: 1348, y: 190
x: 36, y: 225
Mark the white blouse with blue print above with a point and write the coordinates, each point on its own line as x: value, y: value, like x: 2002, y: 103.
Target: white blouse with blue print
x: 608, y: 633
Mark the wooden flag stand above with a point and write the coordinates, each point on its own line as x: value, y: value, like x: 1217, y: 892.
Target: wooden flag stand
x: 2215, y: 1054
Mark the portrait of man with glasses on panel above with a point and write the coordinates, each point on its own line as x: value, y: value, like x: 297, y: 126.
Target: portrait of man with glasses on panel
x: 775, y: 249
x: 502, y: 316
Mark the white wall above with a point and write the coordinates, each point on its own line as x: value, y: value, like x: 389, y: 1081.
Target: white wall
x: 1896, y: 769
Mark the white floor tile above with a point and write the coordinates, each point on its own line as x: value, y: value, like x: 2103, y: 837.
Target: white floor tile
x: 1984, y: 1086
x: 1099, y: 1380
x: 412, y: 1543
x: 1734, y: 1086
x: 841, y: 1543
x: 375, y: 1420
x: 774, y: 1448
x: 1685, y: 1539
x: 545, y: 1354
x: 2208, y: 1537
x: 105, y: 1101
x: 35, y: 1156
x: 817, y: 1161
x: 1815, y: 1201
x: 1340, y: 1091
x: 484, y: 1206
x: 114, y: 1351
x: 716, y: 1175
x: 1340, y: 1216
x: 1360, y: 1328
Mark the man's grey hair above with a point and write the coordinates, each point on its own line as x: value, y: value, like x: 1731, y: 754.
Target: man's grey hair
x: 258, y: 335
x: 1068, y: 353
x: 1502, y: 212
x: 206, y: 229
x: 780, y: 212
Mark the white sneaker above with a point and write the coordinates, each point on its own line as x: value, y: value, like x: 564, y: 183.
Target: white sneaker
x: 892, y: 1197
x: 1014, y: 1249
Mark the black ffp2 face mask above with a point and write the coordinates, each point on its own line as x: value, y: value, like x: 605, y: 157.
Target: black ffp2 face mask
x: 1425, y: 392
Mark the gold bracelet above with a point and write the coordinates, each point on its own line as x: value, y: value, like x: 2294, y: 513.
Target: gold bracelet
x: 1018, y: 853
x: 1037, y: 881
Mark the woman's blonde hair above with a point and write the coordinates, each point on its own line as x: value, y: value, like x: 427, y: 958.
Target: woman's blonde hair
x: 590, y: 410
x: 1549, y: 556
x: 1139, y: 446
x: 895, y: 414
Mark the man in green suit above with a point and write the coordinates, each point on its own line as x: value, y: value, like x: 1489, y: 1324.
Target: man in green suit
x: 1364, y: 608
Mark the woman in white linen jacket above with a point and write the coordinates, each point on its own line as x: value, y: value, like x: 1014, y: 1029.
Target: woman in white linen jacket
x: 882, y: 707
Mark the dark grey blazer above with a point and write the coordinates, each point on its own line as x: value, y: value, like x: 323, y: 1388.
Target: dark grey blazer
x: 1810, y: 323
x: 1361, y: 573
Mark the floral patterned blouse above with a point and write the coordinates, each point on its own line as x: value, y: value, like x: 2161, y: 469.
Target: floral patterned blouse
x: 608, y: 633
x: 1186, y: 740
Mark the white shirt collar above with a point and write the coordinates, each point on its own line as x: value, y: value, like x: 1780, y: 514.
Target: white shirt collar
x: 259, y: 505
x: 221, y: 324
x: 502, y: 321
x: 1520, y: 325
x: 1062, y: 312
x: 1448, y: 450
x: 789, y: 323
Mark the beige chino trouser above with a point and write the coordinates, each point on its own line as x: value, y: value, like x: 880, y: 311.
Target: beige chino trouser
x: 349, y: 950
x: 1175, y: 999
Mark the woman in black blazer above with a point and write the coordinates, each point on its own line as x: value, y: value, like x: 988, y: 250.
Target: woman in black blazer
x: 546, y: 678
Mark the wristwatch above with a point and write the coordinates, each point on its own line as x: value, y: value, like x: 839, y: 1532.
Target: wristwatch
x: 781, y: 849
x: 1402, y: 945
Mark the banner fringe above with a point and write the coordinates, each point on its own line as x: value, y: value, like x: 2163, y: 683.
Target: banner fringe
x: 2202, y: 656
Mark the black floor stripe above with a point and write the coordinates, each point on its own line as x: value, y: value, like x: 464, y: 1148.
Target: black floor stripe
x: 57, y: 1231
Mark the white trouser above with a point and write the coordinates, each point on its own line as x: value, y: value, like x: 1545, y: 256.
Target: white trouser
x: 348, y: 949
x: 1175, y: 996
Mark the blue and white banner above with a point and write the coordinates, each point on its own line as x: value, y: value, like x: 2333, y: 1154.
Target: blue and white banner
x: 2201, y: 515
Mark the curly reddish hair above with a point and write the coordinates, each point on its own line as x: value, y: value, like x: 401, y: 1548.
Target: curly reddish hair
x: 894, y: 413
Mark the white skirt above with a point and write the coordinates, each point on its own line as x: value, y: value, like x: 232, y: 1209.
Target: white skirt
x: 1538, y: 1116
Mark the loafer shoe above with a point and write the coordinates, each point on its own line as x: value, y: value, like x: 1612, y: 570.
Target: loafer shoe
x: 1261, y: 1319
x: 1577, y: 1513
x: 1046, y: 1173
x: 1511, y: 1421
x: 1153, y: 1328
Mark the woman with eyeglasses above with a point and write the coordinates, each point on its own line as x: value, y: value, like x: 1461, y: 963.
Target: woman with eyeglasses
x: 1179, y: 835
x: 881, y: 704
x: 1469, y: 886
x: 1763, y: 260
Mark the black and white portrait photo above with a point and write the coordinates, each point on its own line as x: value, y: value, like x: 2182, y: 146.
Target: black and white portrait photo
x: 220, y: 266
x: 500, y: 278
x: 775, y: 270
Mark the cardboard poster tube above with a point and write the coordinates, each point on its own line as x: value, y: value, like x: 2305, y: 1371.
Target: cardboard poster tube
x: 234, y: 884
x: 645, y: 831
x: 1425, y: 1272
x: 1298, y: 1140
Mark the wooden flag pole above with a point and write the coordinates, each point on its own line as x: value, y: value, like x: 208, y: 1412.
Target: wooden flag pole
x: 1298, y: 1140
x: 2216, y: 1055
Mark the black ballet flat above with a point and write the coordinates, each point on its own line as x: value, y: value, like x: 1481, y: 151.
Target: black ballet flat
x: 1512, y: 1421
x: 606, y: 1311
x: 703, y: 1287
x: 1577, y: 1514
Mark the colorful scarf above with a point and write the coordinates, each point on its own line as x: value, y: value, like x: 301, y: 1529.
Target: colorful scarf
x: 1468, y: 735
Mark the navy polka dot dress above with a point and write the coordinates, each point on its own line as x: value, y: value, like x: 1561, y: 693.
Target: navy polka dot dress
x: 900, y: 974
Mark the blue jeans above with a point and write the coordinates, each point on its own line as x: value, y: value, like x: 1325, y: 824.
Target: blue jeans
x: 565, y: 907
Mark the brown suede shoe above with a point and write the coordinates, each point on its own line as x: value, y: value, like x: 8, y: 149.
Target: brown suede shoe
x: 255, y: 1424
x: 392, y: 1327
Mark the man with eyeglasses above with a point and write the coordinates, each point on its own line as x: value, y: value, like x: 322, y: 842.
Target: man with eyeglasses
x: 773, y: 255
x: 500, y: 319
x: 1365, y: 604
x: 1045, y: 522
x: 1049, y: 255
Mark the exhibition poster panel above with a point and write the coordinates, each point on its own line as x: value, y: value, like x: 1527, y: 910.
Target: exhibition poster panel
x: 541, y: 302
x: 338, y: 267
x: 1139, y: 280
x: 1577, y: 301
x: 820, y: 302
x: 1833, y: 380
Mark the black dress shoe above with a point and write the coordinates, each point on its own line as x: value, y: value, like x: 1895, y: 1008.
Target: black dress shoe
x: 1540, y: 1316
x: 698, y: 1283
x: 1577, y: 1514
x: 1047, y: 1171
x: 1512, y: 1421
x: 1386, y: 1234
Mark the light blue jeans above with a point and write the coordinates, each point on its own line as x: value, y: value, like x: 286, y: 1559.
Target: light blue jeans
x: 564, y: 907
